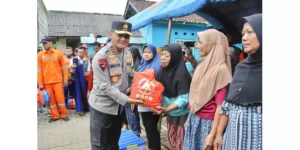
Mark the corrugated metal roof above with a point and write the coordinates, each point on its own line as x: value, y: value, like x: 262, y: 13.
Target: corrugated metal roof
x: 65, y: 23
x: 139, y: 5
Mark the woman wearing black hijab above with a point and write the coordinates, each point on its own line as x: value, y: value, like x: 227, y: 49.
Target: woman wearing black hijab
x: 241, y: 112
x: 131, y: 112
x: 176, y: 80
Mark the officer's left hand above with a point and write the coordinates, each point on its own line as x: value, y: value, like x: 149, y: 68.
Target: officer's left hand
x: 86, y: 73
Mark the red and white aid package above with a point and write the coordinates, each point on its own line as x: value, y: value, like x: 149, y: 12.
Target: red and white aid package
x: 145, y: 87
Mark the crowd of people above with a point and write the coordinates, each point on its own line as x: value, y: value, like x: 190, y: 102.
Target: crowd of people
x: 214, y: 108
x: 77, y: 72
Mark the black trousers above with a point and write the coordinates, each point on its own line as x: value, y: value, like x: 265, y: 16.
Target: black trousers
x: 105, y: 130
x: 150, y: 123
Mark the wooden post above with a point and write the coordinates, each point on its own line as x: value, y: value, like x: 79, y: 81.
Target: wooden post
x: 169, y: 31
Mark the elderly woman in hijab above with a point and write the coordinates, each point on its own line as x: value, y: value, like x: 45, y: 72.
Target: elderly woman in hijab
x: 207, y: 90
x: 173, y: 73
x: 242, y: 109
x: 150, y: 60
x: 131, y: 111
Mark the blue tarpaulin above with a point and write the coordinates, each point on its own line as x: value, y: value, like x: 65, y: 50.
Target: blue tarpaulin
x: 166, y: 9
x: 221, y: 14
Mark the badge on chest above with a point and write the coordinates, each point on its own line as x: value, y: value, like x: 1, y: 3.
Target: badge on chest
x: 115, y: 79
x: 114, y: 65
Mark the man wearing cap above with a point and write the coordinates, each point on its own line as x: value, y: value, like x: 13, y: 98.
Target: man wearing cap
x: 111, y: 67
x: 52, y: 75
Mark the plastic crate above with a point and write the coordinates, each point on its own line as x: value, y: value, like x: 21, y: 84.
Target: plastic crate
x: 129, y: 141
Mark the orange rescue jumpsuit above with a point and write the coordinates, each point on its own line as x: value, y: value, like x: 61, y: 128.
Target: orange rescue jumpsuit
x: 52, y: 71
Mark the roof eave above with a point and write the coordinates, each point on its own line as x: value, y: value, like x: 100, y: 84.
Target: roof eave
x: 130, y: 3
x: 45, y: 8
x: 125, y: 12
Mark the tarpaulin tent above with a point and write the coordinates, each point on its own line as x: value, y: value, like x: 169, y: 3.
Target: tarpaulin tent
x: 220, y: 13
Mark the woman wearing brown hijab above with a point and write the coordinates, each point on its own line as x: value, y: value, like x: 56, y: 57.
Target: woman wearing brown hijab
x: 207, y: 90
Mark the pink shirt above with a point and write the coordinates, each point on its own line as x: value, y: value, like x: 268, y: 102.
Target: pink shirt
x: 209, y: 109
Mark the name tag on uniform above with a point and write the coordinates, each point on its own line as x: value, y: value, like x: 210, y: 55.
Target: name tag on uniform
x: 114, y: 65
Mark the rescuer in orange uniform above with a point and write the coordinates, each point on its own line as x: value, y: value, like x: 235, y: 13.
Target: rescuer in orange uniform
x: 53, y: 75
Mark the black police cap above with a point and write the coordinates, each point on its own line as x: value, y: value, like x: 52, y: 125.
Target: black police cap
x: 121, y: 27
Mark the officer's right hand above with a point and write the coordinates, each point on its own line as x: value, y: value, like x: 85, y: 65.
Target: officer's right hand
x: 134, y: 101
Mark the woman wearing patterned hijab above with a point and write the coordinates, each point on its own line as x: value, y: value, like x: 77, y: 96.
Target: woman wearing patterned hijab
x: 207, y: 90
x: 242, y: 109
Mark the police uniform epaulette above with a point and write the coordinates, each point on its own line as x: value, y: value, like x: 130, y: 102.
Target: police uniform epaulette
x: 106, y: 50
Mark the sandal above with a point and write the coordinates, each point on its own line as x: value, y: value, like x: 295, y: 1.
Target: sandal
x: 66, y: 119
x: 81, y: 113
x: 52, y: 120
